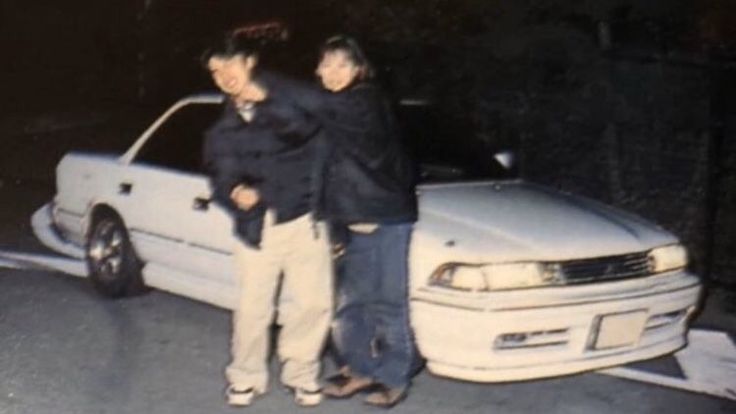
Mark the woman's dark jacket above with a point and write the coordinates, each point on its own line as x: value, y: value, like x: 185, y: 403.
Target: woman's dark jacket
x: 367, y: 175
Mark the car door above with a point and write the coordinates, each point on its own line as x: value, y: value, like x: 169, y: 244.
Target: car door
x: 169, y: 213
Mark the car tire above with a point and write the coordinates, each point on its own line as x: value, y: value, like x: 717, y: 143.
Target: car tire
x: 114, y: 268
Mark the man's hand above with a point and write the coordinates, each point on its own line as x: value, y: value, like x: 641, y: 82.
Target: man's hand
x: 244, y: 197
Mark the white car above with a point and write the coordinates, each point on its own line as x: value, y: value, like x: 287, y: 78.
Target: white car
x: 509, y: 280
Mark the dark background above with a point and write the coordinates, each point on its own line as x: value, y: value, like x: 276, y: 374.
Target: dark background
x: 629, y: 102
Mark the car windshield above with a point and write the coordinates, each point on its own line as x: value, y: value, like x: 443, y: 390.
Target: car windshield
x: 447, y: 151
x: 444, y: 151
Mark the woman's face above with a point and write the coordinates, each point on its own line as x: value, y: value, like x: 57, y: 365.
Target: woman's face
x: 336, y: 70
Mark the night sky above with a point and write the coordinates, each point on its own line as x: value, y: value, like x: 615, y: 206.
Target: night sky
x: 89, y: 50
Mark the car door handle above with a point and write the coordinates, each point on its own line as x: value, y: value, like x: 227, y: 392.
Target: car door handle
x: 125, y: 188
x: 201, y: 204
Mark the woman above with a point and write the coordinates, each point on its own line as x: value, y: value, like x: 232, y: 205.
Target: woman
x: 368, y: 197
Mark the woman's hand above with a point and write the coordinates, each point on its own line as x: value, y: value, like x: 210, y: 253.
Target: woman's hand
x: 338, y: 250
x: 244, y: 197
x: 252, y: 92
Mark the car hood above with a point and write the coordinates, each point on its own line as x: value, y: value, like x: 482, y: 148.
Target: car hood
x: 517, y: 220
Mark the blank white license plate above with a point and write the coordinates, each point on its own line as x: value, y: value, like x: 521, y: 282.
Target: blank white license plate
x: 620, y: 329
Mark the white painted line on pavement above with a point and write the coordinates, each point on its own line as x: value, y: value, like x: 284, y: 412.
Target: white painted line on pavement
x: 712, y: 362
x: 10, y: 264
x: 708, y: 362
x: 74, y: 267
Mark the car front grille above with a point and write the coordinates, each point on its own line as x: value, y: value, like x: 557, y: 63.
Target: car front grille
x: 626, y: 266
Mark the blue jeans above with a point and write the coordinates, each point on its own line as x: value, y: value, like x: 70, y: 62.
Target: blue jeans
x: 371, y: 328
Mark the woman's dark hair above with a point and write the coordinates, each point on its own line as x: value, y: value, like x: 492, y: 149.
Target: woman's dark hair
x: 350, y: 47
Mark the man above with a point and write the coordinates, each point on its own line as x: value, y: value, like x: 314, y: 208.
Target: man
x: 261, y: 155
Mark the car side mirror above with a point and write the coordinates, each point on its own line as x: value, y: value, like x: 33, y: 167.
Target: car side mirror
x: 506, y: 158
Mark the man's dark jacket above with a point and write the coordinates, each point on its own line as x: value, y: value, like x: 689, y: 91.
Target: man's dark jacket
x: 274, y: 153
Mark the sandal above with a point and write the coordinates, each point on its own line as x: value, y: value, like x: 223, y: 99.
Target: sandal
x: 385, y: 397
x: 345, y: 386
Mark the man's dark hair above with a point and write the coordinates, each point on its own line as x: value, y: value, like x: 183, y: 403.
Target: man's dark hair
x: 228, y: 46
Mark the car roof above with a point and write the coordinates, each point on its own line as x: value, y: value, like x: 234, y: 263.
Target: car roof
x: 216, y: 97
x: 204, y: 97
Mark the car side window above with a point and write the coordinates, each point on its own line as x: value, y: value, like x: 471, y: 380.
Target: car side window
x: 177, y: 143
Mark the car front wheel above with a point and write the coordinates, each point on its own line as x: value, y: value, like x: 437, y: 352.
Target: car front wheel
x: 114, y: 268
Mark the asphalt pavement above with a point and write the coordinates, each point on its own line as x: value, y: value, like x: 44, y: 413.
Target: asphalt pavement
x: 64, y: 349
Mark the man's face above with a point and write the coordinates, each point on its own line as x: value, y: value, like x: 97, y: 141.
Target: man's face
x: 231, y: 75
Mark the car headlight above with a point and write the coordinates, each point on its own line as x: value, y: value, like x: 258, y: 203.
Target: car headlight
x: 666, y: 258
x: 488, y: 277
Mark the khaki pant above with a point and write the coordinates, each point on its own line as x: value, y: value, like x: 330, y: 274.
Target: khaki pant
x: 299, y: 249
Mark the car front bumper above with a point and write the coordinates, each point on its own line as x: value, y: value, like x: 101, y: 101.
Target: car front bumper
x: 47, y: 232
x: 537, y: 333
